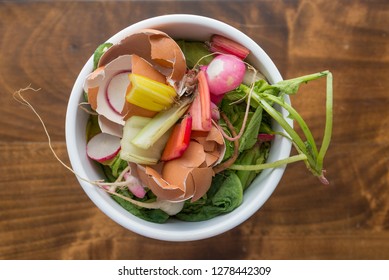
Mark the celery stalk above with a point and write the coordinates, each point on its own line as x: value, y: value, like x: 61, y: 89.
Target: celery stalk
x: 132, y: 153
x: 161, y: 123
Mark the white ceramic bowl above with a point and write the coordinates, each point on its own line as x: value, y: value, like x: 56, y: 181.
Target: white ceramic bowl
x: 183, y: 27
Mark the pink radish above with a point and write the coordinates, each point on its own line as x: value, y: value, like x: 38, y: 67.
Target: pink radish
x: 225, y: 73
x: 103, y: 147
x: 116, y: 91
x: 134, y: 185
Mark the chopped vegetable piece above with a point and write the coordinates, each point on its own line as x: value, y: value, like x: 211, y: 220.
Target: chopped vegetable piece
x: 103, y: 147
x: 116, y: 91
x: 132, y: 153
x: 161, y: 123
x: 149, y: 94
x: 201, y: 106
x: 224, y: 45
x: 179, y: 139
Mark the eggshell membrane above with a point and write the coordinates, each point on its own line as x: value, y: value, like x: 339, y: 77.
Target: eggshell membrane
x: 92, y: 87
x: 109, y: 127
x: 158, y: 48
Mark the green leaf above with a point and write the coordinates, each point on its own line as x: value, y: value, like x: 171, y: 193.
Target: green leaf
x: 118, y: 165
x: 195, y: 53
x: 250, y: 135
x: 151, y: 215
x: 256, y: 155
x: 92, y: 127
x: 99, y: 52
x: 225, y: 195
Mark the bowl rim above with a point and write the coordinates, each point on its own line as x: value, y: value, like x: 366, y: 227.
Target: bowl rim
x: 268, y: 179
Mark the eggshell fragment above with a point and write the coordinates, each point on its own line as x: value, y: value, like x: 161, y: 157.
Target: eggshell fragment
x: 193, y: 156
x: 109, y: 127
x: 180, y: 176
x: 141, y: 67
x: 162, y: 189
x: 189, y: 176
x: 213, y: 143
x: 131, y: 110
x: 100, y: 79
x: 203, y: 181
x: 156, y: 47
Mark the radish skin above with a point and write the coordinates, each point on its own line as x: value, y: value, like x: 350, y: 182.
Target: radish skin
x: 134, y: 185
x: 225, y: 73
x: 103, y: 147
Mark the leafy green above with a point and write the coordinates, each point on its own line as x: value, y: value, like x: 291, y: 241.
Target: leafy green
x: 92, y: 127
x: 151, y: 215
x: 250, y: 135
x: 224, y: 195
x: 265, y: 95
x: 195, y: 53
x: 118, y: 165
x: 253, y: 156
x: 100, y: 50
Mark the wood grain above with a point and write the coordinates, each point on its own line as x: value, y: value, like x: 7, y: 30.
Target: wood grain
x: 44, y: 214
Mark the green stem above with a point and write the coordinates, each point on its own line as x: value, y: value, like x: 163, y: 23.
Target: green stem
x: 328, y: 126
x: 296, y: 116
x: 279, y: 119
x: 291, y: 86
x: 274, y: 164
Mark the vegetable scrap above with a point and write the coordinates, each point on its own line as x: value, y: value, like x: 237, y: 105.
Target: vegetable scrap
x: 182, y: 128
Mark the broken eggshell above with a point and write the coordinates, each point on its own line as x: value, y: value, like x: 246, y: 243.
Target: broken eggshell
x: 96, y: 87
x: 155, y: 46
x: 150, y: 53
x: 189, y: 176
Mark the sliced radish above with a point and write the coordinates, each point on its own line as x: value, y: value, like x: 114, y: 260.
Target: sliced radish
x: 103, y: 147
x: 116, y: 91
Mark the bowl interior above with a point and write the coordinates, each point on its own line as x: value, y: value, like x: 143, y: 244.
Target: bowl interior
x: 177, y: 26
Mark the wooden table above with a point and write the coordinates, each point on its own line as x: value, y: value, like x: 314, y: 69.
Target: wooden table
x: 44, y: 214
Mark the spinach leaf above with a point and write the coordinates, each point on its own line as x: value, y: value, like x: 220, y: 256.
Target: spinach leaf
x: 225, y: 194
x: 118, y: 165
x: 151, y: 215
x: 100, y: 50
x: 256, y: 155
x: 195, y: 52
x: 92, y: 127
x: 250, y: 135
x: 113, y: 169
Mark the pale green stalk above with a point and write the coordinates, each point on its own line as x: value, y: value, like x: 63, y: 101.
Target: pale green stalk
x: 274, y: 164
